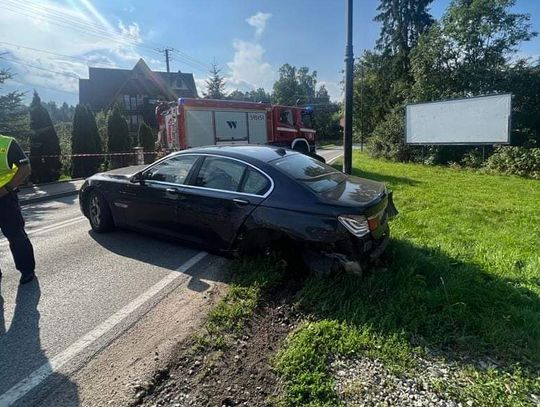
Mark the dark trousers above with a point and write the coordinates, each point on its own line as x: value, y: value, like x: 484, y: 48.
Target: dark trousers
x: 12, y: 226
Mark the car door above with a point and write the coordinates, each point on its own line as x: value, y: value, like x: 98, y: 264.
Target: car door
x: 152, y: 204
x: 218, y: 199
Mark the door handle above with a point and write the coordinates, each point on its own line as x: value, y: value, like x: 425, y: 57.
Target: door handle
x: 173, y: 191
x: 240, y: 202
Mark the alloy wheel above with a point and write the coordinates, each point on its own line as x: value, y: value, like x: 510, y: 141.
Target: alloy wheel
x: 95, y: 211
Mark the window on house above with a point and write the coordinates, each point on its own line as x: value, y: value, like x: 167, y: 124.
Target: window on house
x: 126, y: 102
x: 179, y: 83
x: 134, y: 123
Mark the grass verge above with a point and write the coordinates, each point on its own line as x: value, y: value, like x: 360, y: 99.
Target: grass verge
x: 463, y: 278
x: 251, y: 277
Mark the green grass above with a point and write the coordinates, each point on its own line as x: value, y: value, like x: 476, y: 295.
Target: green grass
x: 463, y: 278
x: 251, y: 277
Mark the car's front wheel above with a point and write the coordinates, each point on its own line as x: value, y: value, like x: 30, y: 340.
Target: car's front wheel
x: 99, y: 213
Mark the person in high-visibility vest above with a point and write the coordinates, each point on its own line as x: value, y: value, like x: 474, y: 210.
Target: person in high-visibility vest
x: 14, y: 169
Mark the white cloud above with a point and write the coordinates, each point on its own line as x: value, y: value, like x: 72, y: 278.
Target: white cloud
x: 334, y: 90
x: 259, y: 22
x: 200, y: 84
x: 102, y: 44
x: 249, y: 69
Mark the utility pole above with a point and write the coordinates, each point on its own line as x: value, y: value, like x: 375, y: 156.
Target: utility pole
x: 349, y: 59
x: 362, y: 128
x: 166, y: 51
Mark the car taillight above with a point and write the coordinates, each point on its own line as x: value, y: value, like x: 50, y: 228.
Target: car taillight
x: 356, y: 224
x: 375, y: 221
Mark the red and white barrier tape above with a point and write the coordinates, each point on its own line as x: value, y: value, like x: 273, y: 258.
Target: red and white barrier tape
x: 90, y: 155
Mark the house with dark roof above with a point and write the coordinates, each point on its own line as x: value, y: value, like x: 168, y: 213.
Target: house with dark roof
x: 136, y: 90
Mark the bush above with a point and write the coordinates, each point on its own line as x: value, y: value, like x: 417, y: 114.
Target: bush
x: 147, y: 141
x: 85, y: 140
x: 388, y: 139
x: 473, y: 158
x: 44, y: 145
x: 515, y: 160
x: 118, y: 138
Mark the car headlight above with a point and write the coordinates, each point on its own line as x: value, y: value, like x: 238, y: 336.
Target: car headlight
x: 356, y: 224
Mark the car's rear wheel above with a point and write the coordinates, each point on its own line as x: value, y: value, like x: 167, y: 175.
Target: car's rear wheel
x: 99, y: 213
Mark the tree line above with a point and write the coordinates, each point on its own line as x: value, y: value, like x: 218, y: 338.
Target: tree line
x: 472, y: 50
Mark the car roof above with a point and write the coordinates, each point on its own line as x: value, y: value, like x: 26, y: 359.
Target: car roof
x: 249, y: 153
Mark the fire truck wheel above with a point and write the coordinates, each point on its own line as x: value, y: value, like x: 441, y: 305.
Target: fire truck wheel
x: 300, y: 145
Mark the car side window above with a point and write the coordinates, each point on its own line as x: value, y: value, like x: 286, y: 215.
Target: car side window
x: 174, y: 170
x: 255, y: 183
x: 220, y: 173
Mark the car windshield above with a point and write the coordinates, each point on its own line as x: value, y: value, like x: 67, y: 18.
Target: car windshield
x: 312, y: 173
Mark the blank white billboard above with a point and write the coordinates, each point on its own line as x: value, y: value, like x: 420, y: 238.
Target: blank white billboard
x: 478, y: 120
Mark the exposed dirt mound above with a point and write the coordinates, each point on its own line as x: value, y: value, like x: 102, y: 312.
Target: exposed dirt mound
x: 239, y: 375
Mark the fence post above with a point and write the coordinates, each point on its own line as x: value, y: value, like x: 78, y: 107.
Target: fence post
x: 139, y: 155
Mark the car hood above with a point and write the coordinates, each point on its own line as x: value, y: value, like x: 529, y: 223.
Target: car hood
x: 355, y: 191
x: 123, y: 173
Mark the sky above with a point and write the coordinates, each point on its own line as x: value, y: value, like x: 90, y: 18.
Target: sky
x: 49, y: 44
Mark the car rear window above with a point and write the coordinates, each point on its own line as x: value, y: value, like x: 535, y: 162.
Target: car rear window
x: 314, y: 174
x: 255, y: 183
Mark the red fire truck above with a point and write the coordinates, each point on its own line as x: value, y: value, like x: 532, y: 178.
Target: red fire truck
x: 199, y: 122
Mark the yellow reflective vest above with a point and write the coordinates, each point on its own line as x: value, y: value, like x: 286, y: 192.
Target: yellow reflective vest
x: 6, y: 172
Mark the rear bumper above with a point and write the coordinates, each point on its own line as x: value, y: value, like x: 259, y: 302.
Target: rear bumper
x: 351, y: 253
x: 353, y: 256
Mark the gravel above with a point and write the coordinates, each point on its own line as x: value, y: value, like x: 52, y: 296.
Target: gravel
x: 367, y: 382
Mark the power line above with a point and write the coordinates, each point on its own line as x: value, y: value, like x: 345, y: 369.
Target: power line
x: 70, y: 23
x: 63, y: 20
x: 86, y: 61
x: 40, y: 9
x: 50, y: 15
x: 196, y: 61
x: 74, y: 76
x: 190, y: 64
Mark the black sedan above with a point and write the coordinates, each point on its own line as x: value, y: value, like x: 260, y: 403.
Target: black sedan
x: 237, y: 199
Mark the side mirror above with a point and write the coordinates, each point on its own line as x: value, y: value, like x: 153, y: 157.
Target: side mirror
x: 137, y: 178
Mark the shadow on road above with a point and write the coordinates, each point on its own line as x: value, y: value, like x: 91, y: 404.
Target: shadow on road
x: 43, y: 210
x: 162, y: 253
x: 20, y: 349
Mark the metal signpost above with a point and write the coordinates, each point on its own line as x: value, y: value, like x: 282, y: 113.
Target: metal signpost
x: 349, y: 60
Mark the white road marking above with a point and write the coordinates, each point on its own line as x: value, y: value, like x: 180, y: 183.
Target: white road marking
x: 331, y: 160
x: 50, y: 228
x: 38, y: 376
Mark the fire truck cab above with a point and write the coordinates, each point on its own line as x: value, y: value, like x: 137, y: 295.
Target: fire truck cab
x: 197, y: 122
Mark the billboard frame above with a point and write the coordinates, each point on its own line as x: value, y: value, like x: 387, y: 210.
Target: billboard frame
x: 461, y: 143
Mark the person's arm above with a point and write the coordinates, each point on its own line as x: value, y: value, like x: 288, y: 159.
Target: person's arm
x: 16, y: 157
x: 23, y: 172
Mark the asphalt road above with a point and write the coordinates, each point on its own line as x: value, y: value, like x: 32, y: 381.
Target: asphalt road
x: 90, y: 289
x: 330, y: 155
x: 84, y: 280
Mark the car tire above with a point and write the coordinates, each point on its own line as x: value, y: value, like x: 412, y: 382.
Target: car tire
x: 99, y: 213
